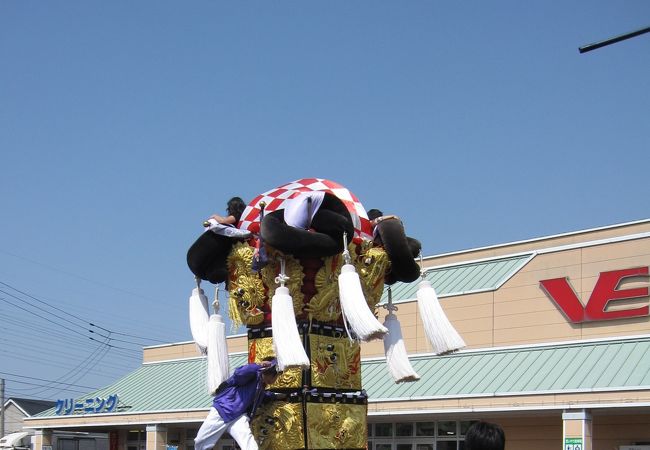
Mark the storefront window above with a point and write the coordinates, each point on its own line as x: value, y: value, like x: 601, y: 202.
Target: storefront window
x: 136, y: 440
x: 464, y: 425
x: 441, y: 435
x: 425, y: 429
x: 133, y: 436
x: 383, y: 429
x: 446, y: 428
x: 404, y: 429
x: 424, y: 447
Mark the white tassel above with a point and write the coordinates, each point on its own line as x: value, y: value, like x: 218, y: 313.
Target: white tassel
x: 355, y: 310
x: 441, y: 334
x: 199, y: 318
x: 354, y: 307
x: 287, y: 345
x: 218, y: 362
x: 397, y: 359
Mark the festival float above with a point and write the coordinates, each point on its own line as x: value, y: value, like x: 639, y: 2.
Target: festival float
x: 305, y: 269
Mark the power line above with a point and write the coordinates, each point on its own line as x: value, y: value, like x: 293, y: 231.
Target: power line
x: 82, y: 278
x: 105, y: 378
x: 32, y: 312
x: 18, y: 324
x: 36, y: 384
x: 47, y: 381
x: 43, y: 302
x: 129, y: 335
x: 83, y: 320
x: 98, y: 352
x: 63, y: 326
x: 120, y: 361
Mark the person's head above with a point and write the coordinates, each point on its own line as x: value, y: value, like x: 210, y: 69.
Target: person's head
x: 374, y: 213
x: 270, y: 373
x: 485, y: 436
x: 235, y: 207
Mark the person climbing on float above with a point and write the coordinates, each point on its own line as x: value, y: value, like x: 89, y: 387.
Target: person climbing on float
x: 235, y: 404
x: 227, y: 225
x: 207, y: 256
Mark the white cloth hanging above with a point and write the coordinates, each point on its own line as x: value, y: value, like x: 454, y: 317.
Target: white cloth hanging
x: 226, y: 230
x: 299, y: 212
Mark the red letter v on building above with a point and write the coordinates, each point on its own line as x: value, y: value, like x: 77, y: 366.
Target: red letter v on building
x: 562, y: 293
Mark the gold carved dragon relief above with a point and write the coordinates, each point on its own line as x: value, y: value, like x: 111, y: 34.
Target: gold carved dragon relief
x: 278, y: 426
x: 335, y: 362
x: 336, y: 426
x: 247, y: 293
x: 324, y: 306
x: 372, y: 264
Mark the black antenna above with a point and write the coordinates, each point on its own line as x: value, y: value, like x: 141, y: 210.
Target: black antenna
x: 614, y: 40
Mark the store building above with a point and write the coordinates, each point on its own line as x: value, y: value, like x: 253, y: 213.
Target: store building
x: 558, y: 335
x: 18, y: 409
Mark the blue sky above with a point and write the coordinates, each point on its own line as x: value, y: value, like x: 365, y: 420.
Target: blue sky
x: 124, y: 124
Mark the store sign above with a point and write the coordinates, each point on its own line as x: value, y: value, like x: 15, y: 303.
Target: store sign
x: 605, y: 293
x: 91, y: 405
x: 573, y: 444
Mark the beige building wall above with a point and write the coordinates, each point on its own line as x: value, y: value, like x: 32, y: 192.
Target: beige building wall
x: 184, y: 350
x: 537, y: 432
x: 573, y: 238
x: 612, y: 431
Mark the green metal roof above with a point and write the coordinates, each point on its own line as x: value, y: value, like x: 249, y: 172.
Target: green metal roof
x: 162, y: 386
x: 573, y: 367
x: 480, y: 276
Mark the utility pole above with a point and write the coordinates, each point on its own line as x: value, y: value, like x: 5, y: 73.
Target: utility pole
x: 2, y: 407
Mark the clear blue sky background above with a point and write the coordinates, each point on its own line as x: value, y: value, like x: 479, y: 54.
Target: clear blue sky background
x: 124, y: 124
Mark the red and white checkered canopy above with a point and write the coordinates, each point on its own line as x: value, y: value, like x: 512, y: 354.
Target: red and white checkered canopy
x: 275, y: 199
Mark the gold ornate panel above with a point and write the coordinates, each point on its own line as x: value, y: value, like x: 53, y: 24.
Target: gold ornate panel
x: 246, y: 289
x: 279, y: 426
x: 336, y: 426
x: 335, y: 362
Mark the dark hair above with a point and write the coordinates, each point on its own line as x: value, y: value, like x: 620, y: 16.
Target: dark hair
x: 485, y: 436
x: 235, y: 207
x: 374, y: 213
x: 273, y: 368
